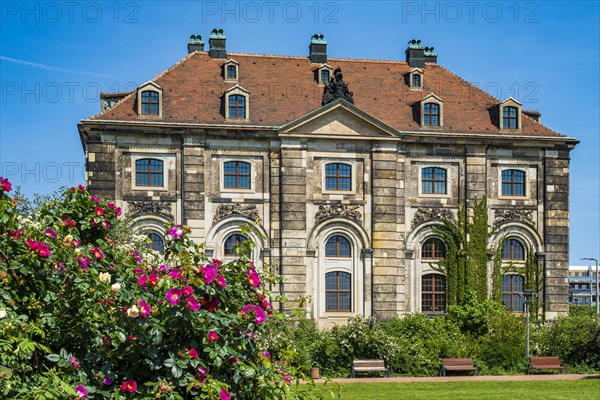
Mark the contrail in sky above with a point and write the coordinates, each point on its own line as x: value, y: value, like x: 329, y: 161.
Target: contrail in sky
x: 50, y: 68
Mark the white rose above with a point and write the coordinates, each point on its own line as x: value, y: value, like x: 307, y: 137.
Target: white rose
x: 115, y: 287
x: 77, y: 251
x: 104, y: 277
x: 2, y: 313
x: 133, y: 312
x: 68, y: 238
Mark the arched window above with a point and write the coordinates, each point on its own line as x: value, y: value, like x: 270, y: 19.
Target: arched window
x: 434, y: 249
x: 513, y: 182
x: 150, y: 104
x: 338, y: 246
x: 338, y: 291
x: 231, y: 72
x: 510, y: 119
x: 416, y: 80
x: 433, y: 180
x: 236, y: 175
x: 338, y: 177
x: 231, y: 243
x: 325, y: 74
x: 431, y: 114
x: 433, y: 294
x: 157, y: 242
x: 512, y: 249
x: 149, y: 172
x: 512, y: 292
x: 237, y: 106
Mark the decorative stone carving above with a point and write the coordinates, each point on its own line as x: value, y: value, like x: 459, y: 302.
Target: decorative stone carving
x: 430, y: 214
x: 246, y: 210
x: 336, y: 89
x: 503, y: 216
x: 337, y: 210
x: 150, y: 207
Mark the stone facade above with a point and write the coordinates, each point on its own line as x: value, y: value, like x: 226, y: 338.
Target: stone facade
x: 385, y: 214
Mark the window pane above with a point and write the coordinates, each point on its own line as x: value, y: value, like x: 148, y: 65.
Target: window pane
x: 231, y: 243
x: 331, y: 301
x: 345, y: 184
x: 427, y: 173
x: 440, y: 187
x: 244, y: 182
x: 229, y: 182
x: 344, y: 301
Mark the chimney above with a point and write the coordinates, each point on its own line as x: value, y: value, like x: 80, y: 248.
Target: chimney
x: 430, y: 55
x: 534, y: 115
x: 195, y: 44
x: 415, y: 54
x: 216, y: 42
x: 318, y: 49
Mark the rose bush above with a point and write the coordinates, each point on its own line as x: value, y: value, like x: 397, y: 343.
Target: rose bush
x: 84, y: 315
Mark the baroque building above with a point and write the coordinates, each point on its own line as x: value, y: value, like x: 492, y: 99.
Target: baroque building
x: 346, y: 165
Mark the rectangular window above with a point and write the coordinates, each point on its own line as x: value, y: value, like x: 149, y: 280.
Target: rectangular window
x: 433, y: 181
x: 338, y: 177
x: 149, y: 172
x: 236, y: 175
x: 338, y: 291
x: 231, y: 72
x: 513, y: 183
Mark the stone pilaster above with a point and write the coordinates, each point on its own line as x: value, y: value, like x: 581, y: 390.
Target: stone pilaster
x: 101, y: 178
x: 193, y: 187
x: 386, y: 243
x: 556, y: 233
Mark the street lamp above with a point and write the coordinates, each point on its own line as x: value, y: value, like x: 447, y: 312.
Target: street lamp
x: 597, y: 285
x: 529, y: 295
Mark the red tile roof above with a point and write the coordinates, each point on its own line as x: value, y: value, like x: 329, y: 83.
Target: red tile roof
x: 283, y: 88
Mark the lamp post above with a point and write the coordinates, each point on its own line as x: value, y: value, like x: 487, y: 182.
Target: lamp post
x: 597, y: 285
x: 529, y: 295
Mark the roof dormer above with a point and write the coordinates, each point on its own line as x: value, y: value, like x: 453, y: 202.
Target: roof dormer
x: 415, y: 78
x: 432, y: 112
x: 509, y: 115
x: 237, y: 104
x: 324, y: 73
x: 150, y: 100
x: 231, y: 71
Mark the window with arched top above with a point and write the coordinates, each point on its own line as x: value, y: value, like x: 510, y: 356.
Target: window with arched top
x: 232, y: 242
x: 431, y: 114
x: 433, y: 249
x: 512, y: 292
x: 338, y: 246
x: 338, y: 176
x: 231, y: 72
x: 512, y: 249
x: 433, y: 294
x: 433, y: 180
x: 150, y: 102
x: 236, y: 175
x: 510, y: 117
x: 157, y: 243
x: 338, y: 291
x: 415, y: 81
x: 237, y: 106
x: 149, y: 172
x: 513, y: 182
x: 325, y: 76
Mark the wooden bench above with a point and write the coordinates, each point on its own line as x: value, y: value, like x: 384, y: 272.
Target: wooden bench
x: 458, y: 364
x: 364, y: 366
x: 549, y: 362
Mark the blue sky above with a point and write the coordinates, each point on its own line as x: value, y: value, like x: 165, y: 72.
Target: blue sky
x: 55, y: 57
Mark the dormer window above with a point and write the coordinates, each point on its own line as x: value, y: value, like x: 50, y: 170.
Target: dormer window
x: 149, y: 100
x: 415, y: 79
x: 431, y: 114
x: 509, y: 118
x: 231, y: 71
x: 432, y: 111
x: 510, y: 114
x: 324, y: 74
x: 237, y: 104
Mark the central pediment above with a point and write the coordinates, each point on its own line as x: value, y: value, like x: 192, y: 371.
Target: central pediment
x: 339, y: 119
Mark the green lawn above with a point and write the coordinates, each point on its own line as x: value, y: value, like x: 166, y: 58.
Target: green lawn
x: 496, y: 390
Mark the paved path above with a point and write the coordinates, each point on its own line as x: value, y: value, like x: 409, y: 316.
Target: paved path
x: 539, y: 377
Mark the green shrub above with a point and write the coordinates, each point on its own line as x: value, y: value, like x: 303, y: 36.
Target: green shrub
x: 575, y: 339
x: 474, y: 316
x: 503, y: 348
x: 424, y: 342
